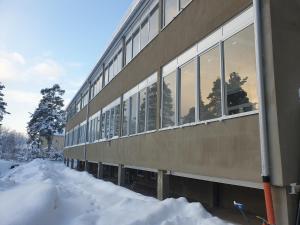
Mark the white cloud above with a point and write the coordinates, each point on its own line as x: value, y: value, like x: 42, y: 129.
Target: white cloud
x: 11, y: 64
x: 49, y: 69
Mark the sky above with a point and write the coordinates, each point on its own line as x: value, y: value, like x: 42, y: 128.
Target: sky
x: 46, y: 42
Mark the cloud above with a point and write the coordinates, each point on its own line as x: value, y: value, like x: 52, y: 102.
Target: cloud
x: 17, y: 96
x: 11, y: 64
x: 49, y: 69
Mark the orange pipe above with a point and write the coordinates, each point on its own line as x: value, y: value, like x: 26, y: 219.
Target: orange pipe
x: 269, y: 203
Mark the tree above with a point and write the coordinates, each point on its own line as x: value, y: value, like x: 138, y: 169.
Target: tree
x: 49, y: 118
x: 2, y: 103
x: 168, y: 109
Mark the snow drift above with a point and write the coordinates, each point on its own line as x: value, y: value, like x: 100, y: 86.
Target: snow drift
x: 48, y: 193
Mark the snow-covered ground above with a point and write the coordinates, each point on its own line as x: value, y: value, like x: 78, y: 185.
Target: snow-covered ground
x: 47, y: 193
x: 4, y: 166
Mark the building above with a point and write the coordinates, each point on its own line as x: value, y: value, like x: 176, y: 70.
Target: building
x: 174, y: 107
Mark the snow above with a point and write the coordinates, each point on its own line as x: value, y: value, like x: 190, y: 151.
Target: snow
x: 45, y: 192
x: 4, y: 166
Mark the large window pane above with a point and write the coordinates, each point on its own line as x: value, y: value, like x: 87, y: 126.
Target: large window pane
x: 98, y: 128
x: 112, y: 123
x: 184, y: 3
x: 117, y: 121
x: 119, y: 61
x: 107, y: 120
x: 111, y: 72
x: 210, y: 88
x: 133, y: 114
x: 188, y: 93
x: 154, y: 25
x: 125, y: 117
x: 142, y: 110
x: 106, y: 77
x: 144, y: 34
x: 103, y: 125
x: 169, y: 100
x: 135, y: 44
x: 128, y: 51
x: 152, y: 105
x: 170, y: 10
x: 240, y: 72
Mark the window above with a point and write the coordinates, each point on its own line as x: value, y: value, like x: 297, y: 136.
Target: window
x: 125, y: 117
x: 106, y: 77
x: 117, y: 121
x: 111, y: 72
x: 187, y: 93
x: 144, y: 34
x: 102, y: 133
x: 142, y: 110
x: 119, y: 62
x: 133, y: 114
x: 210, y: 84
x: 170, y: 10
x: 184, y: 3
x: 135, y: 44
x: 240, y: 72
x: 107, y: 120
x: 78, y: 106
x: 85, y: 99
x: 169, y: 100
x: 152, y: 106
x: 154, y: 24
x: 128, y: 51
x: 112, y: 123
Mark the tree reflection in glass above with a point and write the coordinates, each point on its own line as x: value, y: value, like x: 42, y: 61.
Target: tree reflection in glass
x: 169, y: 100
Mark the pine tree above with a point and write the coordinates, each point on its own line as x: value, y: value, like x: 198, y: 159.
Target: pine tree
x: 168, y: 109
x: 49, y: 118
x: 2, y: 103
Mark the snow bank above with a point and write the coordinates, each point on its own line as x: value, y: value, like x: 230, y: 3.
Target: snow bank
x: 48, y: 193
x: 4, y: 166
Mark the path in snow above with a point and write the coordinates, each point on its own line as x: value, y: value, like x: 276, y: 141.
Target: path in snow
x: 47, y: 193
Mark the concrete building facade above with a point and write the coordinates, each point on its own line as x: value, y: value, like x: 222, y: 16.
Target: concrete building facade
x: 173, y: 104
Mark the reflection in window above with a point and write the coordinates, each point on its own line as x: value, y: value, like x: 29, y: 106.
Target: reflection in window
x: 151, y: 101
x: 106, y: 77
x: 188, y: 93
x: 133, y: 114
x: 111, y: 123
x: 135, y: 44
x: 144, y: 34
x: 210, y: 86
x: 142, y: 110
x: 184, y: 3
x: 102, y: 125
x: 169, y: 100
x: 240, y: 72
x: 111, y: 72
x: 170, y: 10
x: 154, y: 25
x: 117, y: 121
x: 107, y: 119
x: 125, y: 117
x: 128, y: 51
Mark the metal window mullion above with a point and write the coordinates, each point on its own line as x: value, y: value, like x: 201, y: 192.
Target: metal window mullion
x: 198, y: 80
x: 223, y: 86
x: 178, y: 92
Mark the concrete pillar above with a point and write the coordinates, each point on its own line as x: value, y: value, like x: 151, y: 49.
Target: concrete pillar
x: 72, y: 163
x: 68, y: 162
x: 86, y: 165
x: 65, y: 161
x: 162, y: 185
x: 100, y: 170
x: 78, y: 165
x: 121, y: 175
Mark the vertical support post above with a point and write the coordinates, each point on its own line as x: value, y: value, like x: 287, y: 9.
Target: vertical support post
x: 86, y: 166
x: 67, y: 162
x: 121, y: 175
x: 72, y: 163
x: 78, y: 165
x: 162, y: 184
x: 100, y: 170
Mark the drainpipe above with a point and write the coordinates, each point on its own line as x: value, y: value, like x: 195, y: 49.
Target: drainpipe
x: 265, y: 156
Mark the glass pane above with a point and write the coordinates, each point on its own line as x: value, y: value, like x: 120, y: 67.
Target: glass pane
x: 142, y: 110
x: 117, y: 121
x: 210, y: 88
x: 115, y: 66
x: 184, y: 3
x: 107, y: 119
x: 119, y: 59
x: 133, y: 114
x: 240, y: 72
x: 111, y: 71
x: 112, y: 123
x: 106, y: 77
x: 98, y: 127
x: 103, y: 125
x: 128, y: 51
x: 188, y: 93
x: 170, y: 10
x: 125, y: 117
x: 154, y: 25
x: 152, y: 104
x: 144, y: 34
x: 169, y: 100
x: 135, y: 44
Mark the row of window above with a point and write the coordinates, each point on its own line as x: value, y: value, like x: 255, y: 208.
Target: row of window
x: 216, y: 78
x: 135, y: 42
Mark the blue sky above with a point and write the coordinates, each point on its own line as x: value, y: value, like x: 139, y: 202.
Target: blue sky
x: 44, y: 42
